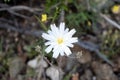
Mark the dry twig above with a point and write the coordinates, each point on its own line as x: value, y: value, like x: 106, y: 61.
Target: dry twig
x: 110, y: 21
x: 18, y: 8
x: 13, y: 28
x: 13, y: 10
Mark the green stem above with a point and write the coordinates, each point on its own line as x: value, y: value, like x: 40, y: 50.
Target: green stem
x: 55, y: 15
x: 42, y: 25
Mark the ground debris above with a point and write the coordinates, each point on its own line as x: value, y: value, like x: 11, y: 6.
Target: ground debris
x: 16, y: 65
x: 103, y: 71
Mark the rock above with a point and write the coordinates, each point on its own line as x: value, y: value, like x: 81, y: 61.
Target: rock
x: 33, y: 63
x: 62, y: 60
x: 20, y: 77
x: 71, y: 62
x: 87, y: 75
x: 55, y: 73
x: 82, y: 55
x: 16, y: 65
x: 85, y: 58
x: 41, y: 65
x: 103, y: 71
x: 37, y: 62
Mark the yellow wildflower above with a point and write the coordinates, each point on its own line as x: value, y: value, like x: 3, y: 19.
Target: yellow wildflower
x: 44, y: 17
x: 116, y: 9
x: 89, y: 23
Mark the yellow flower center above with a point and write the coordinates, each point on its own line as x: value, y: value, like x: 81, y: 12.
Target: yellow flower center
x: 60, y: 40
x: 44, y: 18
x: 89, y: 23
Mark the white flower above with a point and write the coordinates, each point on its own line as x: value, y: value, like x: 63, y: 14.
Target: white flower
x: 59, y: 40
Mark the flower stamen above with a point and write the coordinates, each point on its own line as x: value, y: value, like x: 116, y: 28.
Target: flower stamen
x: 60, y: 40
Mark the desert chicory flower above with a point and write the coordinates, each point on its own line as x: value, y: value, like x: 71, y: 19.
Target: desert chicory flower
x: 59, y: 40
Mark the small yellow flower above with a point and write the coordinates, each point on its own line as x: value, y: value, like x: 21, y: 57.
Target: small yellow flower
x: 89, y: 23
x: 44, y: 17
x: 116, y: 9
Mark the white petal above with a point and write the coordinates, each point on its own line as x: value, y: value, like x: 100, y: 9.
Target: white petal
x: 66, y: 30
x: 62, y: 53
x: 61, y: 50
x: 69, y: 44
x: 56, y: 47
x: 67, y: 51
x: 54, y: 29
x: 48, y: 49
x: 48, y: 43
x: 70, y: 33
x: 73, y: 40
x: 52, y: 25
x: 52, y: 33
x: 62, y: 27
x: 47, y: 37
x: 55, y: 54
